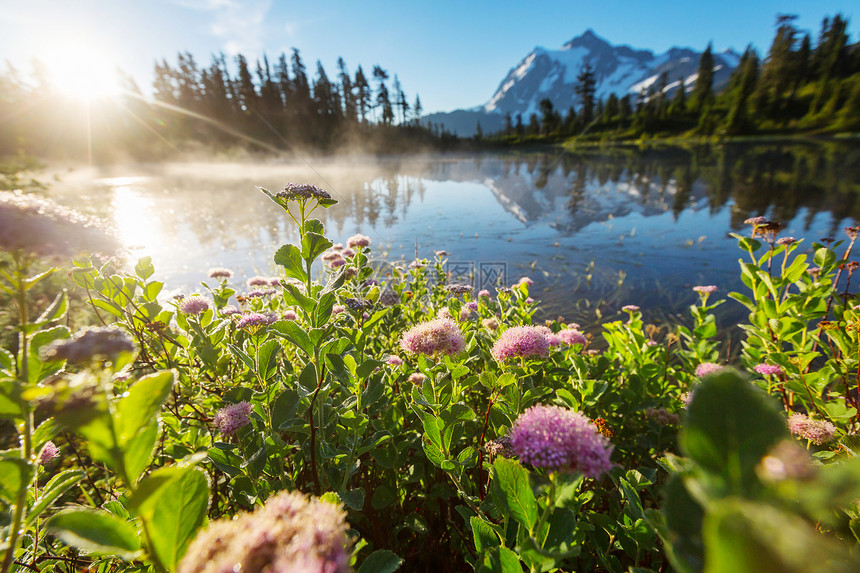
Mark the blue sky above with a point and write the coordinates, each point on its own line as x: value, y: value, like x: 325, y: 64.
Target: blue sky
x: 452, y: 53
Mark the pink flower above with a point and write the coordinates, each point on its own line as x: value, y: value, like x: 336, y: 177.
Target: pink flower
x: 220, y: 273
x: 252, y: 320
x: 348, y: 253
x: 229, y: 310
x: 816, y: 431
x: 767, y: 369
x: 630, y: 308
x: 337, y: 309
x: 525, y: 281
x: 439, y: 336
x: 290, y: 315
x: 483, y: 293
x: 194, y: 305
x: 257, y: 282
x: 706, y: 368
x: 559, y: 439
x: 707, y: 289
x: 394, y: 360
x: 233, y: 417
x: 570, y: 337
x: 464, y: 314
x: 756, y: 221
x: 358, y: 241
x: 48, y: 452
x: 417, y: 378
x: 490, y: 323
x: 521, y: 341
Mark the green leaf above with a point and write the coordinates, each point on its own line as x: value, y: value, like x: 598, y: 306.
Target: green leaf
x: 144, y: 268
x: 730, y: 426
x: 290, y: 258
x: 381, y: 561
x: 15, y: 475
x: 501, y: 560
x: 294, y: 297
x: 58, y: 485
x: 57, y: 309
x: 484, y: 533
x: 96, y: 532
x: 10, y: 400
x: 512, y: 480
x: 313, y: 245
x: 748, y: 537
x: 173, y: 501
x: 39, y: 369
x: 267, y: 358
x: 137, y: 410
x: 137, y: 452
x: 354, y: 498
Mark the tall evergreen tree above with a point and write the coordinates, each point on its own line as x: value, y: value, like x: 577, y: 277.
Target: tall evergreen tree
x: 346, y: 93
x: 703, y: 94
x: 383, y: 99
x: 585, y: 89
x: 362, y: 95
x: 417, y: 109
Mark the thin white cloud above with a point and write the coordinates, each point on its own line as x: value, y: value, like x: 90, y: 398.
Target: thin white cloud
x: 239, y: 25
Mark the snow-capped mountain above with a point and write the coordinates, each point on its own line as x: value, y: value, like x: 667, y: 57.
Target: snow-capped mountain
x: 552, y: 74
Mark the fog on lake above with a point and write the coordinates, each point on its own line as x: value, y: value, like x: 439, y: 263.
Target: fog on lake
x: 595, y: 230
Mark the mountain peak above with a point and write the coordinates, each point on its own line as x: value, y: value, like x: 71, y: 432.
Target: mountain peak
x: 586, y: 39
x: 618, y: 69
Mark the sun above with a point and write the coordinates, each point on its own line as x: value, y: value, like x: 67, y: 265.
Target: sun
x: 80, y: 69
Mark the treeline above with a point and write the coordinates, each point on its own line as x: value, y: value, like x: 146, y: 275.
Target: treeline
x: 230, y: 107
x: 798, y: 86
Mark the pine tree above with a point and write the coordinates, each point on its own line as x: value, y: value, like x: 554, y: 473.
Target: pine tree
x: 703, y: 94
x: 585, y: 89
x: 347, y: 96
x: 383, y: 100
x: 417, y: 109
x: 362, y: 94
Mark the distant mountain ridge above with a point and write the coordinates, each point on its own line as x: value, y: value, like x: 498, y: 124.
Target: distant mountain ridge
x: 552, y: 74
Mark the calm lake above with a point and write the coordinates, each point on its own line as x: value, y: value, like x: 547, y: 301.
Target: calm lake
x: 595, y: 230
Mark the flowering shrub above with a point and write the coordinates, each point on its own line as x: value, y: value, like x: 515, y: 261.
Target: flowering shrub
x: 446, y: 429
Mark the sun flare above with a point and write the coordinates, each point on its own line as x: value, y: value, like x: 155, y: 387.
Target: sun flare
x: 80, y: 69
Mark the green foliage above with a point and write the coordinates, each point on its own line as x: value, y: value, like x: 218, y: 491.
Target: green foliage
x: 215, y: 413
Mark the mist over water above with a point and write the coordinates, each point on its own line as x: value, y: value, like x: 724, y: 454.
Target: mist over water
x: 594, y: 230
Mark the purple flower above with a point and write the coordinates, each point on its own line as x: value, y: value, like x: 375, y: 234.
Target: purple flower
x: 529, y: 300
x: 304, y: 191
x: 229, y: 310
x: 290, y: 533
x: 337, y: 262
x: 464, y: 314
x: 220, y: 273
x: 290, y: 315
x: 439, y: 336
x: 786, y: 241
x: 275, y: 281
x: 767, y: 369
x: 483, y: 293
x: 471, y: 306
x: 48, y: 452
x: 418, y: 264
x: 337, y: 247
x: 706, y: 368
x: 257, y: 282
x: 571, y: 336
x: 520, y: 341
x: 686, y: 398
x: 347, y: 253
x: 551, y: 337
x: 490, y: 323
x: 525, y: 281
x: 358, y: 241
x: 559, y: 439
x: 253, y: 320
x: 194, y: 305
x: 233, y: 417
x: 707, y: 289
x: 337, y: 309
x: 417, y: 378
x: 755, y: 221
x: 816, y: 431
x: 630, y: 308
x: 440, y: 254
x: 394, y: 360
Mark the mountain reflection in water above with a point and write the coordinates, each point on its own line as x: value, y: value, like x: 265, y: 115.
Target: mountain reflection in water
x: 595, y: 230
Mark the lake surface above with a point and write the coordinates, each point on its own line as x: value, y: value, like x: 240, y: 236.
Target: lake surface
x: 595, y: 230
